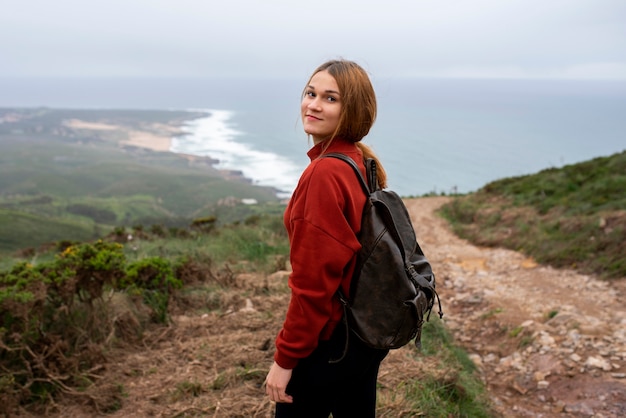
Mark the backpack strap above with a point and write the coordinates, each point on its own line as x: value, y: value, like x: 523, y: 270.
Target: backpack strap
x: 370, y: 168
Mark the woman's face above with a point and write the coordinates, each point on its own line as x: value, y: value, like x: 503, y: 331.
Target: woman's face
x: 321, y: 106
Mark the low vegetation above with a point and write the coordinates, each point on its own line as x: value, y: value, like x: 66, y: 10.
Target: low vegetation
x: 572, y: 217
x: 59, y: 317
x: 449, y: 387
x: 63, y: 311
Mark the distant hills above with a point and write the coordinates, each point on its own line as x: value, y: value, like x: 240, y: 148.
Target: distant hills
x: 77, y: 174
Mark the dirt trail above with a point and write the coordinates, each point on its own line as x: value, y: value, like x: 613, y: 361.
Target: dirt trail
x: 549, y: 343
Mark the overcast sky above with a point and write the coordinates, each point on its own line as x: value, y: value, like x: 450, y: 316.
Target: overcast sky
x: 199, y: 38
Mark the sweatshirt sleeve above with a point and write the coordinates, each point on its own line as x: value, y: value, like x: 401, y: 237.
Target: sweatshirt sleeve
x: 323, y: 246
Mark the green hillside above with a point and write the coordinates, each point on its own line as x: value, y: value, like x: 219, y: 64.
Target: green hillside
x: 573, y: 216
x: 59, y: 183
x: 19, y: 228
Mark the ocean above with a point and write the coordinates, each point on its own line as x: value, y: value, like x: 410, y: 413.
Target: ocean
x: 432, y: 135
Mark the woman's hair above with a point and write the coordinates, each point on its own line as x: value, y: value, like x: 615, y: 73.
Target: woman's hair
x: 358, y: 107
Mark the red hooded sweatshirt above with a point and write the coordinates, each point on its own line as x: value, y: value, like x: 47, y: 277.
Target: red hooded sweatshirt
x: 322, y: 219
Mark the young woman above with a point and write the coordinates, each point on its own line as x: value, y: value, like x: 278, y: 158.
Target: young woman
x: 323, y: 219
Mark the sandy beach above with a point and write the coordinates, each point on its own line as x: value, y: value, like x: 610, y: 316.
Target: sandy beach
x: 154, y: 136
x: 143, y: 139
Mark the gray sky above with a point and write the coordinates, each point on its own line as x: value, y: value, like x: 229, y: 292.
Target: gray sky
x: 198, y: 38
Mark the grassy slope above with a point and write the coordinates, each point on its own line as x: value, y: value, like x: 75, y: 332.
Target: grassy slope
x: 19, y: 228
x: 46, y: 168
x: 442, y: 380
x: 574, y: 216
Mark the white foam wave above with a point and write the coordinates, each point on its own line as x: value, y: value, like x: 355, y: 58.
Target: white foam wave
x: 216, y: 137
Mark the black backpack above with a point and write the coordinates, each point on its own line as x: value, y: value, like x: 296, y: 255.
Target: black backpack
x: 393, y: 286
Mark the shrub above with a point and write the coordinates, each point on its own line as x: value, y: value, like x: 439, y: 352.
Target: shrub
x: 206, y: 224
x: 58, y: 318
x: 158, y: 230
x: 51, y: 318
x: 85, y: 269
x: 153, y: 280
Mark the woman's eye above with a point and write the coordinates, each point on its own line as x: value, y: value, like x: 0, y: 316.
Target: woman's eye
x: 310, y: 94
x: 331, y: 99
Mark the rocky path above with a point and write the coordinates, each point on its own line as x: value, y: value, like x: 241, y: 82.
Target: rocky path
x: 549, y: 343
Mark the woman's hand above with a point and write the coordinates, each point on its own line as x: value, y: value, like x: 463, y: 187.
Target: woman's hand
x: 276, y: 383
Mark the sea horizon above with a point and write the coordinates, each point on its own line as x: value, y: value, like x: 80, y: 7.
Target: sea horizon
x: 432, y: 135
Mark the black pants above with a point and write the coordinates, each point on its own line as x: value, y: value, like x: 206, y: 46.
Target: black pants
x: 346, y: 389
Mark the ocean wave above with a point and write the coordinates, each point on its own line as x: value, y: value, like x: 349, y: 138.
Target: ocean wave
x: 217, y: 136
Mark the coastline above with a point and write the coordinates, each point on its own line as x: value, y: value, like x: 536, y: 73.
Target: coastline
x: 433, y: 136
x: 210, y: 135
x: 155, y: 136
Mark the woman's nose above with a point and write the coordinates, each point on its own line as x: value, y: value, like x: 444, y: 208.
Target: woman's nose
x: 314, y: 104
